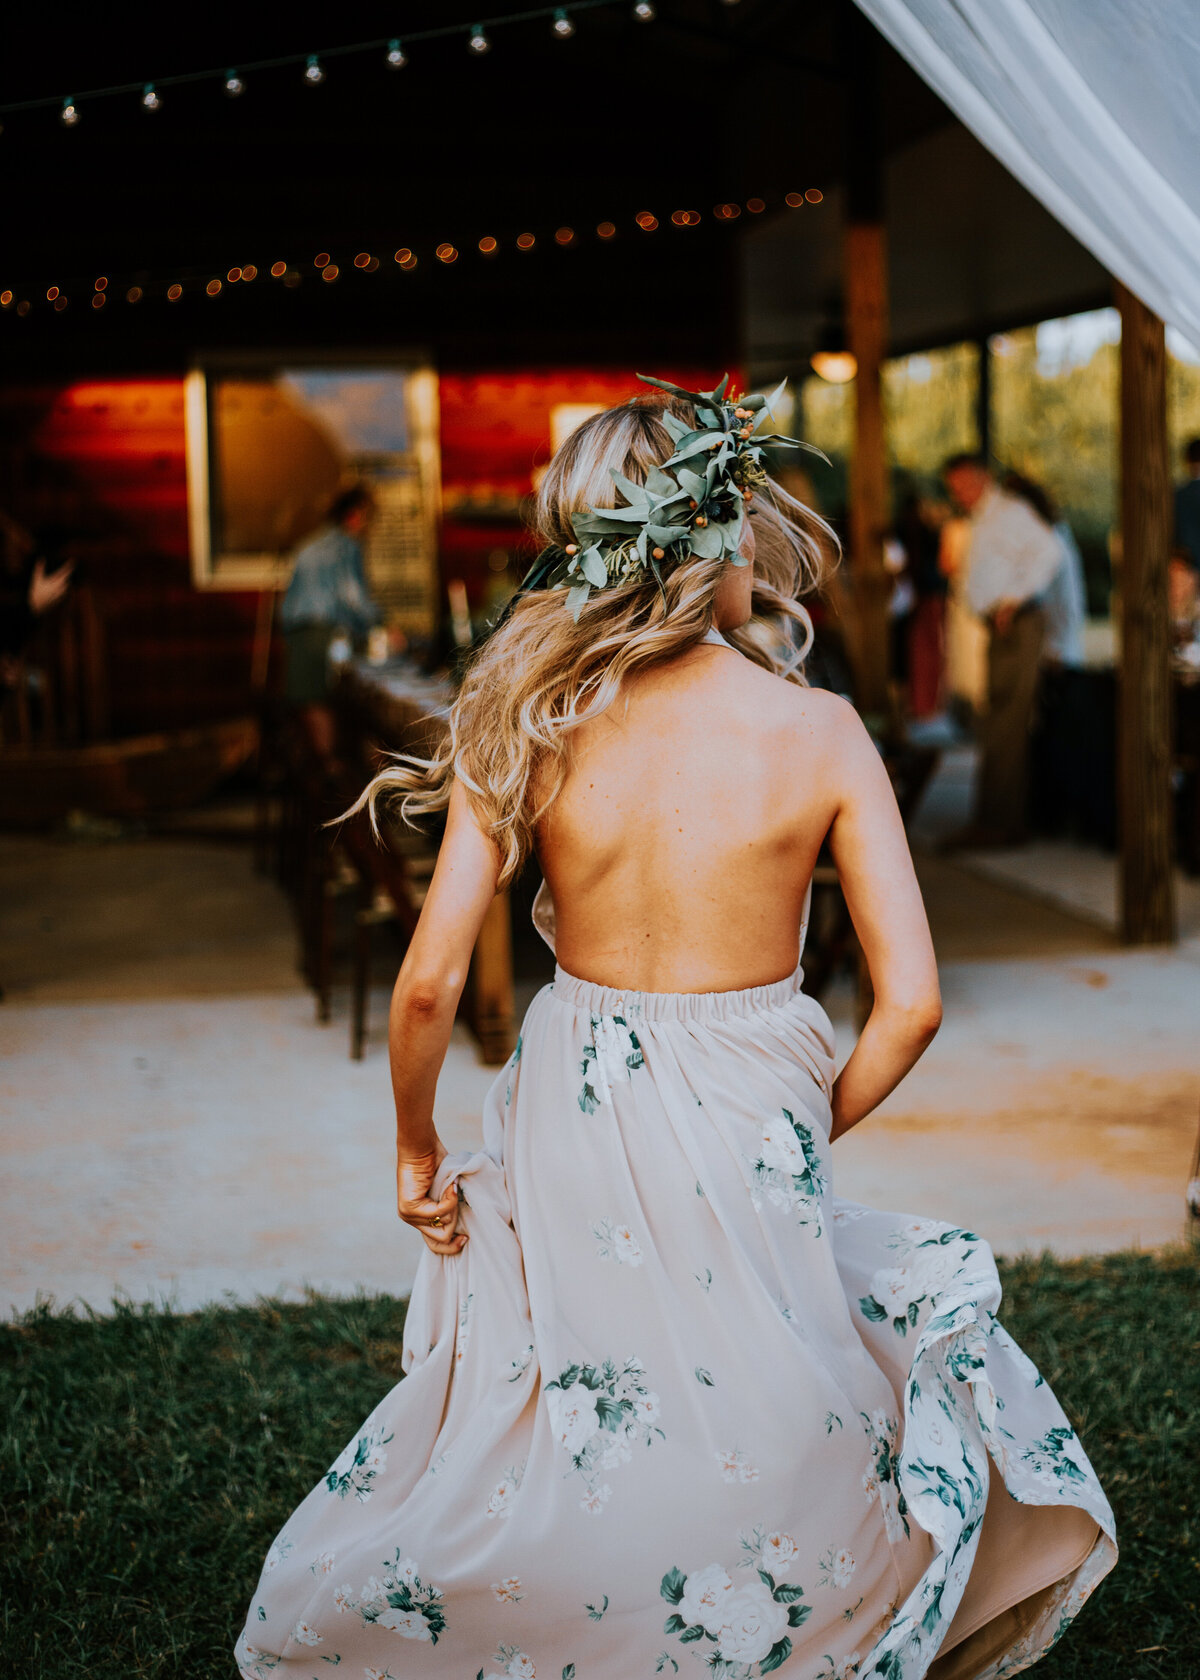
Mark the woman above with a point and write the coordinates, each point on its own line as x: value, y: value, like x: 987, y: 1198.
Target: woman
x: 668, y: 1400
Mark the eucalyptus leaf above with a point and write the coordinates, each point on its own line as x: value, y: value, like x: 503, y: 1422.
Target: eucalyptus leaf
x: 678, y: 428
x: 593, y: 567
x: 634, y: 494
x: 660, y: 483
x: 719, y: 393
x: 708, y: 417
x: 753, y: 403
x: 770, y: 402
x: 663, y: 535
x: 576, y: 599
x: 706, y: 542
x: 695, y: 397
x: 692, y: 482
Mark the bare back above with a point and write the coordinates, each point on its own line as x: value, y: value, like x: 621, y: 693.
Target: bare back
x: 682, y: 844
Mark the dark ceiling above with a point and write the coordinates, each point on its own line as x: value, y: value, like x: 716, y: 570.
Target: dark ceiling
x: 709, y: 103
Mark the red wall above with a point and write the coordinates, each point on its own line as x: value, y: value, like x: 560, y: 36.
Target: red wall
x: 105, y: 461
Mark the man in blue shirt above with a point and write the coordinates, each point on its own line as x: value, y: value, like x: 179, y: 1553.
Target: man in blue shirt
x: 1187, y: 505
x: 328, y: 595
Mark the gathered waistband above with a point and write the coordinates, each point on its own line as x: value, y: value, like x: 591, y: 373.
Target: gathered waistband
x: 674, y: 1006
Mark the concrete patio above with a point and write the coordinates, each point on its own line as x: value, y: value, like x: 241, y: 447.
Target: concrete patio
x: 175, y: 1125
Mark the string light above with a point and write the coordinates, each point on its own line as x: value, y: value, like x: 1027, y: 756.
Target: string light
x: 561, y: 20
x: 405, y: 258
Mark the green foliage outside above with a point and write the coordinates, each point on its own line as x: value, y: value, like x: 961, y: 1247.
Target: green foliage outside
x: 1053, y: 418
x: 150, y: 1457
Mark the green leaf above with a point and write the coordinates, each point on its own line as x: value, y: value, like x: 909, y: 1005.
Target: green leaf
x: 754, y: 403
x: 776, y: 1656
x: 798, y: 1614
x: 870, y: 1308
x: 787, y: 1593
x: 692, y: 1633
x: 671, y: 1587
x: 634, y: 494
x: 719, y: 394
x: 769, y: 402
x: 674, y: 390
x: 568, y: 1673
x: 705, y: 1377
x: 577, y: 599
x: 707, y: 542
x: 664, y: 535
x: 610, y: 1412
x: 660, y: 483
x: 678, y: 428
x: 593, y: 567
x: 695, y: 486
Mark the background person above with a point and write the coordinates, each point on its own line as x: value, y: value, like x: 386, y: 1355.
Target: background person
x: 1012, y: 559
x: 328, y: 594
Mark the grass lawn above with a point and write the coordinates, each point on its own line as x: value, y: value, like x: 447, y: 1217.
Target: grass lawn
x: 149, y: 1458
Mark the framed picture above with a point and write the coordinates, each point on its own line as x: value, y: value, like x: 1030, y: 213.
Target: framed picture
x: 270, y: 442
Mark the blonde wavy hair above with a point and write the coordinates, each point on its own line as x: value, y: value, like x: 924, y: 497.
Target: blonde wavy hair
x: 539, y: 675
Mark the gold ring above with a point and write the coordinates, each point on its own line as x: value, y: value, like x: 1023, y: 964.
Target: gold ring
x: 436, y: 1220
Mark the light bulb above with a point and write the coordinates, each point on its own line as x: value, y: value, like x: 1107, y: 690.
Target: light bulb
x: 397, y: 58
x: 314, y: 75
x: 644, y: 12
x: 563, y: 27
x: 234, y: 85
x: 69, y: 115
x: 477, y: 41
x: 150, y: 100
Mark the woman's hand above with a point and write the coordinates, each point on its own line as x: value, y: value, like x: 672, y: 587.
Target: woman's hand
x: 436, y: 1221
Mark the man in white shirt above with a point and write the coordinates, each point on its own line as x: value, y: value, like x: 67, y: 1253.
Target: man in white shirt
x: 1011, y: 561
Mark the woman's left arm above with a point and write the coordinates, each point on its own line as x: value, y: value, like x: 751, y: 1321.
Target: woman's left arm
x: 424, y: 1004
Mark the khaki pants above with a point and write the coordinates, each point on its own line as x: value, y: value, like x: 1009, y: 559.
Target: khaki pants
x: 1013, y: 663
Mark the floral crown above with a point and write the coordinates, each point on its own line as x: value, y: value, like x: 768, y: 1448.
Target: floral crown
x: 692, y: 504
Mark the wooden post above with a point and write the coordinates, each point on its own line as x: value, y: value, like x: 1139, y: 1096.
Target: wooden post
x: 865, y: 292
x: 1144, y: 715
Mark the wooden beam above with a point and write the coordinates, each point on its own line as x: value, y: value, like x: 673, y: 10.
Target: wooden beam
x: 865, y: 295
x: 1144, y: 717
x: 866, y: 338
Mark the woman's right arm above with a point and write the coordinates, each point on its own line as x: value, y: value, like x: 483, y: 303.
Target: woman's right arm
x: 424, y: 1004
x: 875, y: 867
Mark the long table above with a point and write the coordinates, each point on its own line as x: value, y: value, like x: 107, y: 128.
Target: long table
x: 404, y: 710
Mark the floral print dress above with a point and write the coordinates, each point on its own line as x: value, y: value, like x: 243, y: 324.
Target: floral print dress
x: 677, y: 1408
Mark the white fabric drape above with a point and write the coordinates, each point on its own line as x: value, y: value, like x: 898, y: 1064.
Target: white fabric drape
x: 1094, y: 105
